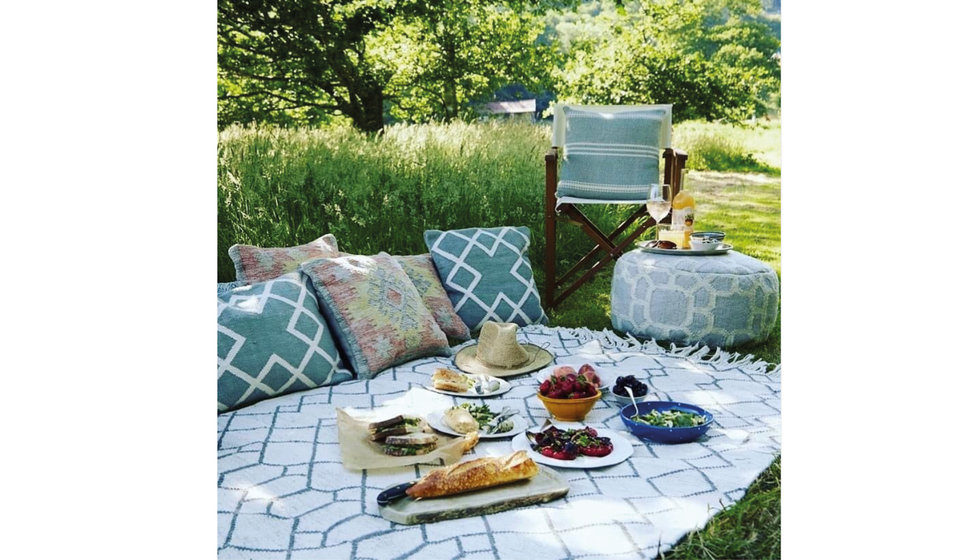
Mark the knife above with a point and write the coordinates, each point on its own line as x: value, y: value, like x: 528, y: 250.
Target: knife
x: 394, y: 493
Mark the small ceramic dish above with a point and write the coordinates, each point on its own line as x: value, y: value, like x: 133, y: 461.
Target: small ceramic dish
x: 716, y: 235
x: 704, y: 243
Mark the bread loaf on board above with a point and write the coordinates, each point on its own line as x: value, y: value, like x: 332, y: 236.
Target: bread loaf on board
x: 484, y: 472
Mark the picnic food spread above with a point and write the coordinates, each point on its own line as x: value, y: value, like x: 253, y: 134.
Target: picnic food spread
x: 477, y: 474
x: 565, y: 383
x: 566, y: 445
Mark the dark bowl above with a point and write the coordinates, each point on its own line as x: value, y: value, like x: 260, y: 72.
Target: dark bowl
x: 665, y: 435
x: 716, y: 235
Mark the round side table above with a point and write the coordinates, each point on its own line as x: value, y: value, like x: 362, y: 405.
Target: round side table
x: 718, y: 300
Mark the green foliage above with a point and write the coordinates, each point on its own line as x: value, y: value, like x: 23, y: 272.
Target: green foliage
x: 441, y: 66
x: 711, y: 59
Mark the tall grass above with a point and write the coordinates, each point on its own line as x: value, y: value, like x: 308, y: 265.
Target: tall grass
x: 279, y: 187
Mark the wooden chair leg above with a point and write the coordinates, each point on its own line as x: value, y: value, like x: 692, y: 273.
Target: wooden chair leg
x: 550, y: 226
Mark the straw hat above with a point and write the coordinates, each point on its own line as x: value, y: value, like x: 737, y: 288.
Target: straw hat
x: 498, y: 353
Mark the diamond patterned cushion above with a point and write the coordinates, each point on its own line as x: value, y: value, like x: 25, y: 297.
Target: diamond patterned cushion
x: 258, y: 264
x: 611, y: 155
x: 376, y: 312
x: 272, y: 340
x: 487, y: 274
x: 423, y: 275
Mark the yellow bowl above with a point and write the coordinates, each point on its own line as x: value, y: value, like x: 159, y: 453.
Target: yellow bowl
x: 570, y: 410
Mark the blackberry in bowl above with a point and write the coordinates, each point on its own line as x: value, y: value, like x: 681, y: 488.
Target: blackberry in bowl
x: 619, y: 395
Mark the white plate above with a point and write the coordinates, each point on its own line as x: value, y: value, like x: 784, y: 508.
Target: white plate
x: 504, y: 387
x: 719, y: 250
x: 435, y: 420
x: 605, y: 377
x: 622, y: 450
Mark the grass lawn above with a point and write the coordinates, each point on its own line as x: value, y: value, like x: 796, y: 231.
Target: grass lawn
x: 747, y: 208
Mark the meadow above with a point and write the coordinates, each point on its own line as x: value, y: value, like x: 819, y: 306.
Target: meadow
x: 283, y: 187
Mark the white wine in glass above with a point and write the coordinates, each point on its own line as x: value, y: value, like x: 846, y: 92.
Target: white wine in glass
x: 658, y: 203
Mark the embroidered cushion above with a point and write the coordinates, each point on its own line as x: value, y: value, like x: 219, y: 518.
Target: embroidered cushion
x: 375, y: 311
x: 611, y: 155
x: 272, y: 340
x: 258, y: 264
x: 422, y: 272
x: 487, y: 274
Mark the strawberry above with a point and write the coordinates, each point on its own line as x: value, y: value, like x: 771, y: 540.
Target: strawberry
x: 545, y: 386
x: 576, y: 395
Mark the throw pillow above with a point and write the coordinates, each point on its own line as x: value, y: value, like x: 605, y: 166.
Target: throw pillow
x: 611, y: 155
x: 258, y: 264
x: 376, y: 312
x: 272, y: 340
x: 422, y: 272
x: 487, y: 274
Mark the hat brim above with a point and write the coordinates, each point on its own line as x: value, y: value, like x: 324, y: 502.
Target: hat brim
x: 465, y: 360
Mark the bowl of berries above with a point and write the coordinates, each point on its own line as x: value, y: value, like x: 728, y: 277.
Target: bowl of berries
x: 569, y: 395
x: 619, y: 394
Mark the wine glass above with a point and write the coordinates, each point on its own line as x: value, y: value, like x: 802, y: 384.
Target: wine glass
x: 658, y: 203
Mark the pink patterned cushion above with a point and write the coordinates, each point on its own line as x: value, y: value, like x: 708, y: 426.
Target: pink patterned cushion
x: 422, y: 271
x: 376, y: 312
x: 259, y: 264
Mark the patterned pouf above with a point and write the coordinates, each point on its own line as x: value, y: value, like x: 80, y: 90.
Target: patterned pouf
x: 718, y: 300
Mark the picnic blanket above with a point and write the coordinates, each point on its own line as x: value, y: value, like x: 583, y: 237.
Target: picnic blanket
x: 283, y: 492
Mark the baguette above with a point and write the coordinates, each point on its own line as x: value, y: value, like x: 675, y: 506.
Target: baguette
x: 477, y: 474
x: 449, y: 380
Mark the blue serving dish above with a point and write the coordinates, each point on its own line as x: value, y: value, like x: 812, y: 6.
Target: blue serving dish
x: 665, y: 435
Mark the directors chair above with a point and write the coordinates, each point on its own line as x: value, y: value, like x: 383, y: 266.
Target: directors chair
x: 610, y: 155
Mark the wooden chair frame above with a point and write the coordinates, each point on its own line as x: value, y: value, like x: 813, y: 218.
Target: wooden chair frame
x: 608, y: 246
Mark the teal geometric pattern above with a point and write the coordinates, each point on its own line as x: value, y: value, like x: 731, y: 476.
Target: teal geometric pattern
x: 272, y: 340
x: 487, y: 274
x: 719, y: 300
x: 611, y: 155
x: 283, y: 492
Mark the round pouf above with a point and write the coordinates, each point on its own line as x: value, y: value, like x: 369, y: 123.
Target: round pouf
x: 718, y: 300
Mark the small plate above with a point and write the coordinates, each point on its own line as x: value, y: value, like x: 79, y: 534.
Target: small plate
x: 622, y: 450
x: 435, y: 421
x: 504, y: 387
x: 604, y: 376
x: 648, y: 247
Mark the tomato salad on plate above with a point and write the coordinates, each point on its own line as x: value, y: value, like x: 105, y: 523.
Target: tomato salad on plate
x: 566, y: 445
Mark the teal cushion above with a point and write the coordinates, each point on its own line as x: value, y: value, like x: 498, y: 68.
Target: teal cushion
x: 272, y: 340
x: 487, y: 274
x: 611, y: 156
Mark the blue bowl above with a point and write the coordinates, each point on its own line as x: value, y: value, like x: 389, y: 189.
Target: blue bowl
x: 665, y: 435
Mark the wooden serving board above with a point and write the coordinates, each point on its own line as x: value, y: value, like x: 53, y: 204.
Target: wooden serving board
x: 547, y: 485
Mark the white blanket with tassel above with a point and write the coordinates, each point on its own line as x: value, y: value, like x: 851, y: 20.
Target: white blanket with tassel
x: 283, y: 492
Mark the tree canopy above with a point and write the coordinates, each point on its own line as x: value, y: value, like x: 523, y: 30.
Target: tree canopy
x: 376, y: 61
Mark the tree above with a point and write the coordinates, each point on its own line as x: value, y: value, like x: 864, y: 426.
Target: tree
x: 286, y: 60
x: 709, y: 58
x: 289, y: 61
x: 442, y: 65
